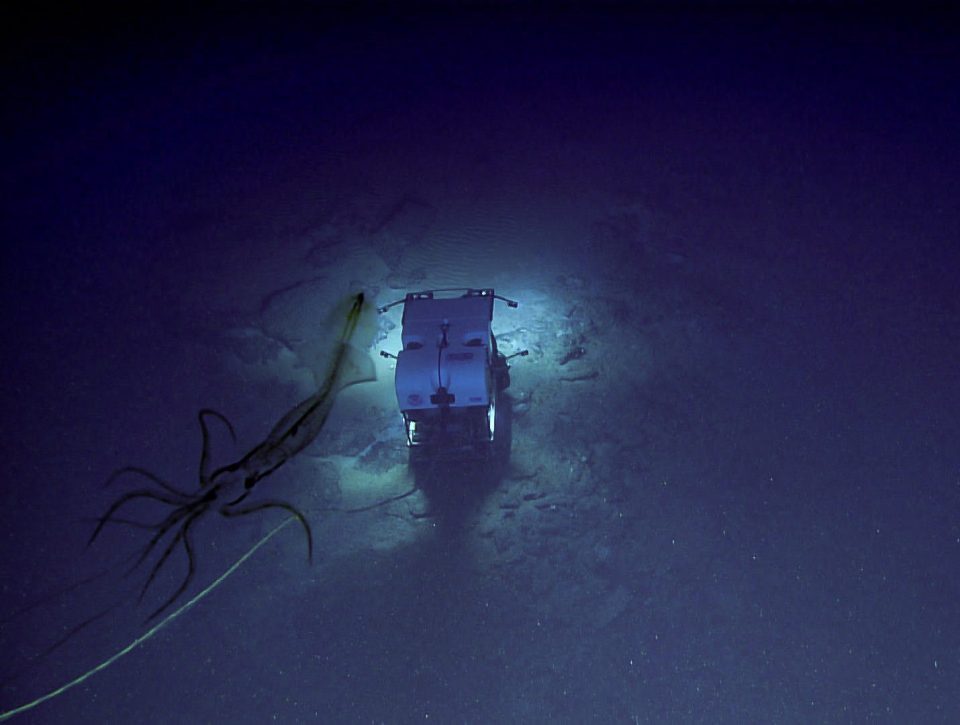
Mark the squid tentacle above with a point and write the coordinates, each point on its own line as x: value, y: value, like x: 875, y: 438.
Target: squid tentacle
x: 191, y: 566
x: 174, y: 518
x: 169, y: 487
x: 177, y: 539
x: 204, y: 468
x: 126, y: 498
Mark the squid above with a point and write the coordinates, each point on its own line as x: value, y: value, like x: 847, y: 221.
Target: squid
x: 225, y: 489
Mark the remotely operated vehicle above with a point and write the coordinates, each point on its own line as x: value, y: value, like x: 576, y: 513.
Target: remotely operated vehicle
x: 449, y: 372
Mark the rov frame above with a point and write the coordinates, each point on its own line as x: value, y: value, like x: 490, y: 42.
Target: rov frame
x: 449, y: 372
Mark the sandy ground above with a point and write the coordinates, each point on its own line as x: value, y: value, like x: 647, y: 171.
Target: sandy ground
x: 739, y: 503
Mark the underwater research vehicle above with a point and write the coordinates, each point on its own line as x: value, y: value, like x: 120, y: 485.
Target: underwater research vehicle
x: 449, y: 372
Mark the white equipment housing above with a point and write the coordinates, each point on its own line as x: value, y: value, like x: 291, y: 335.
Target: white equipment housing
x: 449, y: 371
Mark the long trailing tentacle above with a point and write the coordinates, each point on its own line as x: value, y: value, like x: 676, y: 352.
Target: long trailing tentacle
x: 191, y: 566
x: 150, y: 475
x: 74, y: 631
x: 182, y: 536
x: 378, y: 504
x: 204, y: 473
x: 263, y: 505
x: 198, y: 505
x: 34, y: 659
x: 161, y: 529
x: 125, y: 522
x: 126, y: 498
x: 55, y: 594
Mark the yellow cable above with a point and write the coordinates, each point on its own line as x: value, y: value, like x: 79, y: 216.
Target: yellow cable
x: 150, y: 632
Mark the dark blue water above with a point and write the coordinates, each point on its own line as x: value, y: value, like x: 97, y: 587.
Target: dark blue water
x: 741, y: 505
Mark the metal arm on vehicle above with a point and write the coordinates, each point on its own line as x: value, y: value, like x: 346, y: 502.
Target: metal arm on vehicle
x: 482, y: 292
